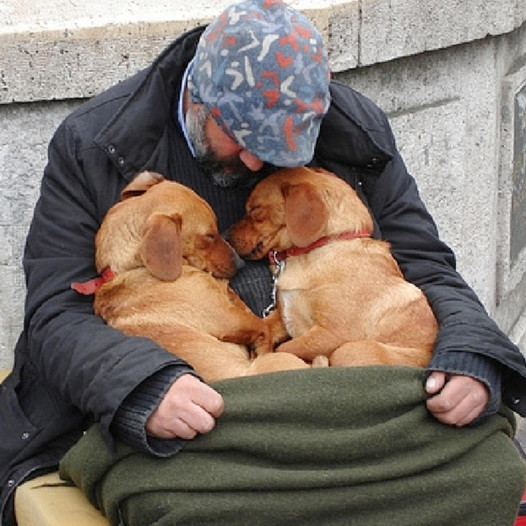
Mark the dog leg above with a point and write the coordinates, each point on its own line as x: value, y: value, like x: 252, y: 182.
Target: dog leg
x: 370, y: 352
x: 245, y: 328
x: 317, y: 341
x: 320, y: 361
x: 277, y: 329
x: 276, y: 361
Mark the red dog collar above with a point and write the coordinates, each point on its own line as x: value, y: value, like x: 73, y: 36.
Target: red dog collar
x: 276, y: 257
x: 91, y: 286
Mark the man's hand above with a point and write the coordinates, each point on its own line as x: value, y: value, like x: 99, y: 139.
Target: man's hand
x: 188, y: 408
x: 457, y: 400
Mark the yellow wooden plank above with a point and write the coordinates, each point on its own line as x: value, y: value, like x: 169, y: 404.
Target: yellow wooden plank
x: 40, y: 502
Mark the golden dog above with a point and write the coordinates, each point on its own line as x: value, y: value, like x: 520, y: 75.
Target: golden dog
x: 340, y: 293
x: 165, y: 269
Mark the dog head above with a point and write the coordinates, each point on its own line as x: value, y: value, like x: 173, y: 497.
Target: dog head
x: 296, y: 207
x: 162, y: 225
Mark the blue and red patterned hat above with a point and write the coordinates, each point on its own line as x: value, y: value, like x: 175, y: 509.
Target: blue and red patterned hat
x: 262, y: 71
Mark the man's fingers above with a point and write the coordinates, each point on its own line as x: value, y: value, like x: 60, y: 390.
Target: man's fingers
x: 435, y: 382
x: 209, y: 399
x: 197, y: 418
x: 176, y: 428
x: 461, y: 400
x: 459, y: 416
x: 189, y: 407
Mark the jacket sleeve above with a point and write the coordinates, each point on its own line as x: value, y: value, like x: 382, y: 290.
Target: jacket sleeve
x: 84, y: 362
x: 465, y: 329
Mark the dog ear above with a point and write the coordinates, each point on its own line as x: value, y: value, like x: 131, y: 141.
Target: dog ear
x: 140, y: 184
x: 161, y: 247
x: 306, y: 213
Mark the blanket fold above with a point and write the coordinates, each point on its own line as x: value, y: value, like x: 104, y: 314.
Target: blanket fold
x: 342, y: 446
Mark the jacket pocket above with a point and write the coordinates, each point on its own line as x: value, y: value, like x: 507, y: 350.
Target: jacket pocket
x: 16, y: 430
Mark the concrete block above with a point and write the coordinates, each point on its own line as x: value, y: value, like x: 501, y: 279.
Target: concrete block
x: 12, y: 289
x: 341, y: 28
x: 24, y: 137
x: 61, y: 47
x: 511, y: 267
x: 403, y: 27
x: 62, y: 67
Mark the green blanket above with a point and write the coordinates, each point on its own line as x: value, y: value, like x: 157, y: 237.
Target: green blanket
x: 346, y: 446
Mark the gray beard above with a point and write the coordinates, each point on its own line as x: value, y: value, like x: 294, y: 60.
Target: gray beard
x: 220, y: 177
x: 224, y: 180
x: 224, y: 174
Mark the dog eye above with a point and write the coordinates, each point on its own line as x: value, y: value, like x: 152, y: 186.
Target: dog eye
x: 256, y: 213
x: 204, y: 241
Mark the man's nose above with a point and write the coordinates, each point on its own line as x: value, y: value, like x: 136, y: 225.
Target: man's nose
x: 252, y: 162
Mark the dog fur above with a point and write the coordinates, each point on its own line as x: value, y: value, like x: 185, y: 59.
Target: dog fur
x: 346, y: 300
x: 171, y: 271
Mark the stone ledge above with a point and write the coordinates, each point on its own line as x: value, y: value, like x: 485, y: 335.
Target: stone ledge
x: 67, y: 49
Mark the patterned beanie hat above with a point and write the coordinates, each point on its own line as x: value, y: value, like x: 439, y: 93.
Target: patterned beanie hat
x: 262, y: 71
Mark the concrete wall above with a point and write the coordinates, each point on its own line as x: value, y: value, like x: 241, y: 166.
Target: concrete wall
x: 450, y: 74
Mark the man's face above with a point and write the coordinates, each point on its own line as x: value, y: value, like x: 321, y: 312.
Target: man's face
x: 217, y: 154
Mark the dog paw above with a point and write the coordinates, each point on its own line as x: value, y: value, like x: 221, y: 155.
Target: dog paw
x: 261, y: 345
x: 320, y: 361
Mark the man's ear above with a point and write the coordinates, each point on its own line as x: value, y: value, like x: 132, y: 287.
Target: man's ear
x: 306, y: 213
x: 140, y: 184
x: 161, y: 247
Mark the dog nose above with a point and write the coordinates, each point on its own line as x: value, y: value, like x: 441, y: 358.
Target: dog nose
x: 238, y: 260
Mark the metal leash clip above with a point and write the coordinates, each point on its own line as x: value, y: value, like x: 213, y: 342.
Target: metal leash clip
x: 279, y: 265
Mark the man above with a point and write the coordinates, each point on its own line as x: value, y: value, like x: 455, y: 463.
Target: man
x: 216, y: 111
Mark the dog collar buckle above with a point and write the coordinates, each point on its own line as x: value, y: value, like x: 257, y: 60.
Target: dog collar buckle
x: 278, y: 269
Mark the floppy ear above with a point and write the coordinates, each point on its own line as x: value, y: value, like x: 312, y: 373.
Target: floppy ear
x: 140, y: 184
x: 306, y: 213
x: 161, y: 248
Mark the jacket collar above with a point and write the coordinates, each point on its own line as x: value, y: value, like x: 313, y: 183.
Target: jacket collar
x: 355, y: 132
x: 132, y: 134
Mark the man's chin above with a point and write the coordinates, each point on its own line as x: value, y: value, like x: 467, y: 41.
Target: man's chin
x: 221, y: 175
x: 226, y: 179
x: 229, y: 176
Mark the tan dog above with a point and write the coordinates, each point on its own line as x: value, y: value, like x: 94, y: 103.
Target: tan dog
x: 340, y: 294
x: 168, y: 282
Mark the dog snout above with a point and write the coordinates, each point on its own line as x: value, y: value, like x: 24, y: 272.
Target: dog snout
x: 226, y: 234
x: 238, y: 260
x: 235, y: 236
x: 235, y: 260
x: 225, y: 261
x: 232, y: 240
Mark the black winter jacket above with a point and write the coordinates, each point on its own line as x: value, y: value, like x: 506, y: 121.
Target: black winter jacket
x: 71, y: 369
